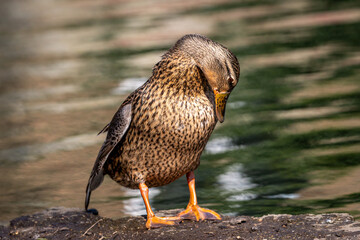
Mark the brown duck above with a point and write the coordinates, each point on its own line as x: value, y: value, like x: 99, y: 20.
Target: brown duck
x: 160, y: 130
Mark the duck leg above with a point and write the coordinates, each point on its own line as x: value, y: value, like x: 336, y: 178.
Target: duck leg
x: 153, y: 221
x: 193, y: 211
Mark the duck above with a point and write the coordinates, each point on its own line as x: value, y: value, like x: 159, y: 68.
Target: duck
x: 160, y: 131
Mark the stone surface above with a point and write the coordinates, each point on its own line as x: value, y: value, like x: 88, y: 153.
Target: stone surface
x: 66, y: 223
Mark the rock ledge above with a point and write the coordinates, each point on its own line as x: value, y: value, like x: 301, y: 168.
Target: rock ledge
x: 66, y: 223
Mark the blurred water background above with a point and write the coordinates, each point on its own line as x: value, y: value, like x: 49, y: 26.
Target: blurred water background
x: 291, y: 139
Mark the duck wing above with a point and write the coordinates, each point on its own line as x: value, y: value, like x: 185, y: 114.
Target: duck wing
x: 117, y: 129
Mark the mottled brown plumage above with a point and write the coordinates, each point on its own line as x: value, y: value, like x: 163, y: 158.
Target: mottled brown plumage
x: 161, y: 129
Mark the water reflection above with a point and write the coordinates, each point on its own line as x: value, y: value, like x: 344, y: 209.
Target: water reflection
x: 234, y: 183
x: 35, y: 151
x: 221, y: 145
x: 134, y: 204
x: 235, y: 105
x: 284, y: 196
x: 128, y: 85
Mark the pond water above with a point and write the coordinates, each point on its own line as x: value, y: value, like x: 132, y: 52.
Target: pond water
x: 290, y: 142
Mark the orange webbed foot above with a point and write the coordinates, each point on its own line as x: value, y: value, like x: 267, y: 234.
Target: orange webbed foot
x: 194, y: 212
x: 157, y: 222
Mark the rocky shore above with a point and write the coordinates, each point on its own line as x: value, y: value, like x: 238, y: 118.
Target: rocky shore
x: 70, y: 223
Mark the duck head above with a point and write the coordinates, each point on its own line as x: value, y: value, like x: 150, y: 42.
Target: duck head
x: 219, y: 66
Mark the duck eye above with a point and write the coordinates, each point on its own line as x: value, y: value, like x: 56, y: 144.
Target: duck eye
x: 231, y: 81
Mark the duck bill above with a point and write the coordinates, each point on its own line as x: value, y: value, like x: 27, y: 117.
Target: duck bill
x: 220, y: 104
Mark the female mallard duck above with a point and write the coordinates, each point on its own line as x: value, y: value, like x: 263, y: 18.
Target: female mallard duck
x: 159, y: 132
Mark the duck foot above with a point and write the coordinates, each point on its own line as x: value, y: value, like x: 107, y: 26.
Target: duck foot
x: 157, y: 222
x: 194, y: 212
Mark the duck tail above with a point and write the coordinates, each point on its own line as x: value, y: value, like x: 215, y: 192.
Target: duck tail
x: 94, y: 181
x: 87, y: 198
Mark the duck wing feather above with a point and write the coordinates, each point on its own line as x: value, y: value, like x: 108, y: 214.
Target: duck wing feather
x: 116, y: 129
